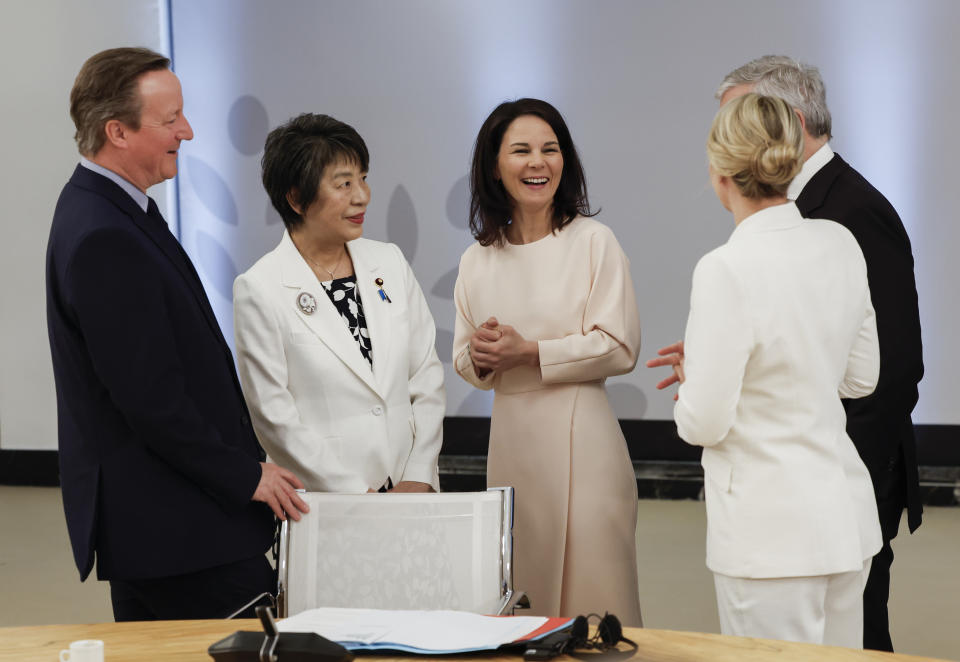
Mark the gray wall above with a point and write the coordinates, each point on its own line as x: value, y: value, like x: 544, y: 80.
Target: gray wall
x: 635, y: 82
x: 416, y: 78
x: 42, y: 45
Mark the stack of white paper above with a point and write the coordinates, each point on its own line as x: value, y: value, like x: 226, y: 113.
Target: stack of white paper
x: 414, y: 631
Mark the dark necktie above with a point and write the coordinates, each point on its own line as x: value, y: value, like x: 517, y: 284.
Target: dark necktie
x: 154, y: 212
x: 173, y: 245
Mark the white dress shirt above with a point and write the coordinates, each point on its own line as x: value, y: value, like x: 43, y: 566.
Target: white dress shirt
x: 810, y: 167
x: 138, y: 196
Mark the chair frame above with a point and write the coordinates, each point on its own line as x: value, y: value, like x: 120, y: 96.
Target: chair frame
x: 510, y: 598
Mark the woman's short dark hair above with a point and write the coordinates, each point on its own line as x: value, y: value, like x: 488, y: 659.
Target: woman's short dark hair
x: 490, y: 204
x: 296, y: 154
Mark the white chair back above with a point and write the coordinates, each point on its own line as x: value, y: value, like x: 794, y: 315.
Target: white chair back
x: 451, y: 550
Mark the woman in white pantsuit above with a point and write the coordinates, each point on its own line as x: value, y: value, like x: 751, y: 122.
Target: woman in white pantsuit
x: 335, y: 342
x: 780, y: 327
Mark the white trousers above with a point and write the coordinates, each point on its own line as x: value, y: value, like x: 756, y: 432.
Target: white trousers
x: 826, y: 609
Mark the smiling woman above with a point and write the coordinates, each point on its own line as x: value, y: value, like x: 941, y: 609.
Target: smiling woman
x: 545, y: 312
x: 342, y: 378
x: 517, y: 180
x: 530, y: 165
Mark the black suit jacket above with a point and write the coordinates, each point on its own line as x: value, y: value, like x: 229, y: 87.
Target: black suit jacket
x: 879, y: 424
x: 158, y: 460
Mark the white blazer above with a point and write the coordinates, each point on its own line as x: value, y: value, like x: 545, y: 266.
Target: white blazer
x: 781, y: 326
x: 316, y: 404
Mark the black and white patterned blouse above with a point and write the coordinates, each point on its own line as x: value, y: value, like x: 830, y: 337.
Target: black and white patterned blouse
x: 345, y: 295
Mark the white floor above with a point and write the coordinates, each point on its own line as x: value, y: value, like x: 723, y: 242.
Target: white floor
x: 39, y: 583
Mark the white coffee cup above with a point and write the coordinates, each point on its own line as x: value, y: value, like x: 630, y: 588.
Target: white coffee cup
x: 83, y: 650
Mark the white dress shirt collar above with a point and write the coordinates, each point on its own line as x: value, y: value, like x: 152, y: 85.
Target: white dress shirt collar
x: 138, y: 196
x: 810, y: 167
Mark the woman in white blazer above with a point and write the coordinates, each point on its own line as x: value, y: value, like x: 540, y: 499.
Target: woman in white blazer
x: 780, y: 327
x: 335, y: 343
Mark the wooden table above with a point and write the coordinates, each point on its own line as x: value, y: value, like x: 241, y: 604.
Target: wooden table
x: 187, y: 641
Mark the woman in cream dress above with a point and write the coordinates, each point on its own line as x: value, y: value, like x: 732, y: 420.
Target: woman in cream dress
x: 545, y: 312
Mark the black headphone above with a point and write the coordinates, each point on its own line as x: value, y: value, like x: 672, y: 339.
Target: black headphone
x: 609, y: 633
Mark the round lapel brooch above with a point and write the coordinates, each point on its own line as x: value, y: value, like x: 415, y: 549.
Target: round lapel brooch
x: 306, y: 303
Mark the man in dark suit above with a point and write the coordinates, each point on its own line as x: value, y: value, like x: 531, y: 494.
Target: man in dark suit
x: 879, y: 425
x: 163, y: 481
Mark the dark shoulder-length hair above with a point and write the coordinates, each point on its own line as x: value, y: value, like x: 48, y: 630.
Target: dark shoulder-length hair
x: 490, y: 205
x: 296, y: 154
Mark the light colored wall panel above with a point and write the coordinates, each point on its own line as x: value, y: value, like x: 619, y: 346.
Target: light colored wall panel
x: 416, y: 78
x: 635, y: 82
x: 42, y: 46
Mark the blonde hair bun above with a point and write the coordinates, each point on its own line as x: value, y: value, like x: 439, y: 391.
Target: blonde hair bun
x: 757, y: 141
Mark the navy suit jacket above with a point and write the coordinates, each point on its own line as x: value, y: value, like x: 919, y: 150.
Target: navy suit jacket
x: 158, y: 460
x: 879, y: 424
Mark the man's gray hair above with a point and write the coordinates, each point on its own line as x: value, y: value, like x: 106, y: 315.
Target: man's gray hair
x: 797, y: 83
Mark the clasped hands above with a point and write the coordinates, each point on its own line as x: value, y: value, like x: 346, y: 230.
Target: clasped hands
x: 671, y: 355
x: 498, y: 347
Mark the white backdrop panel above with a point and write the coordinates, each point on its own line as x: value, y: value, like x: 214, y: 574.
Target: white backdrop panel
x: 42, y: 46
x: 635, y: 82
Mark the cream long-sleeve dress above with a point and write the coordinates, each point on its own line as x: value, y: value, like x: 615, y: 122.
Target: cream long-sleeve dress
x: 554, y: 437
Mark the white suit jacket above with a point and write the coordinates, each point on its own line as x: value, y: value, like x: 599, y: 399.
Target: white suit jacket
x: 317, y: 406
x: 781, y: 326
